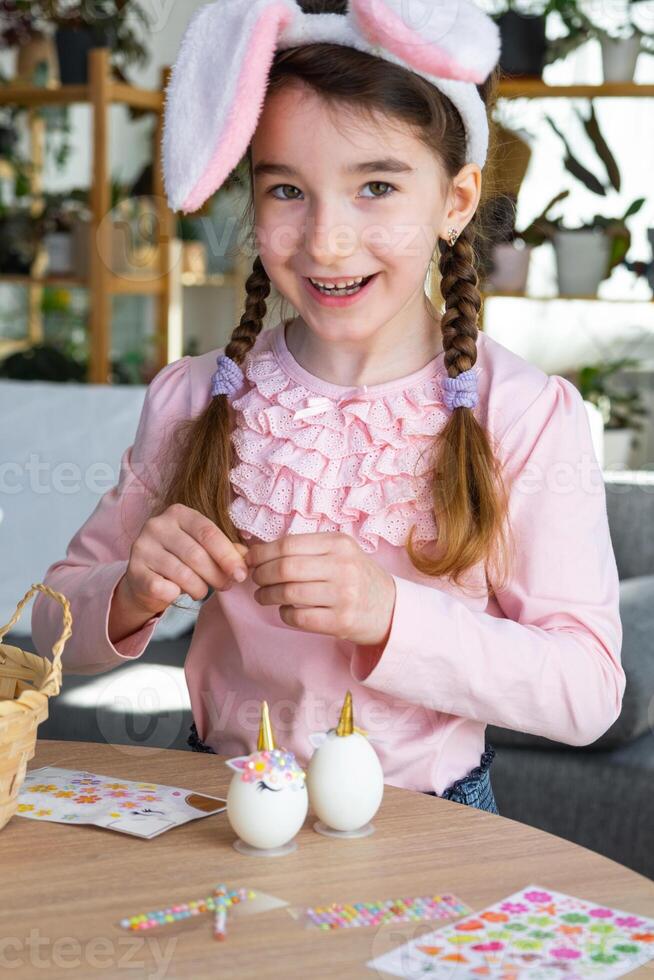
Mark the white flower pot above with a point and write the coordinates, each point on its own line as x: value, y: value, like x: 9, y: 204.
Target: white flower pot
x: 510, y: 267
x: 619, y: 57
x: 617, y: 448
x: 582, y: 259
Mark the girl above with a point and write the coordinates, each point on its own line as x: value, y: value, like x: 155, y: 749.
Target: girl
x: 383, y: 498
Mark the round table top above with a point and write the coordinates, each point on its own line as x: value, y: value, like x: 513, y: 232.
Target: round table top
x: 71, y: 886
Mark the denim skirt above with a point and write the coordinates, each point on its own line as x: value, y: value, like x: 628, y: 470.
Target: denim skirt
x: 473, y: 790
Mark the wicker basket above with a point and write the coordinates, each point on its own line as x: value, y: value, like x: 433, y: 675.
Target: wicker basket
x: 26, y: 683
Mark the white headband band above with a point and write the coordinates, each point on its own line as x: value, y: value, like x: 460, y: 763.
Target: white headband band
x: 218, y: 84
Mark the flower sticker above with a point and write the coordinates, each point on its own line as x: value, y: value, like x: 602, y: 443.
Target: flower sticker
x: 565, y: 953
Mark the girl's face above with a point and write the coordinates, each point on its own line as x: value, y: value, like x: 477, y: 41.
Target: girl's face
x: 337, y: 197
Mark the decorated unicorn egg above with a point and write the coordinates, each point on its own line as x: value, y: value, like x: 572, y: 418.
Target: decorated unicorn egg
x: 345, y: 778
x: 267, y: 800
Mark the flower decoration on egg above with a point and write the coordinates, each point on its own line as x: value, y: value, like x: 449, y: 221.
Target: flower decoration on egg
x: 274, y: 769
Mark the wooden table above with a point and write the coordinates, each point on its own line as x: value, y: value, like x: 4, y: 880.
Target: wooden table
x: 78, y: 882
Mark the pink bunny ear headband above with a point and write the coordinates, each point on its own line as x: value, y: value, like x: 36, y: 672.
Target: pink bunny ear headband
x: 218, y: 86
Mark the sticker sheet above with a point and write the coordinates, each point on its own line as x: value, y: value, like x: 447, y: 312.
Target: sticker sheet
x: 138, y: 808
x: 536, y: 934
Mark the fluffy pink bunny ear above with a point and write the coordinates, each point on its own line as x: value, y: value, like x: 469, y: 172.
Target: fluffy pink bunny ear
x: 216, y: 93
x: 446, y: 38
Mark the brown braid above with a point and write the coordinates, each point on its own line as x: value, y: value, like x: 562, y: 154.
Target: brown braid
x: 201, y: 454
x: 462, y: 302
x: 469, y: 497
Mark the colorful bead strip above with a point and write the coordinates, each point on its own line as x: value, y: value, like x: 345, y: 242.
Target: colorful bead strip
x: 223, y: 902
x: 220, y: 898
x: 428, y: 907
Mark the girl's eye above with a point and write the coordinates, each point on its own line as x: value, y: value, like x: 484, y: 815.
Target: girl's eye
x: 380, y: 183
x: 371, y: 183
x: 279, y: 187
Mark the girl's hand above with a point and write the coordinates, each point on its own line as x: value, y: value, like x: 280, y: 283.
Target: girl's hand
x: 179, y: 551
x: 324, y: 583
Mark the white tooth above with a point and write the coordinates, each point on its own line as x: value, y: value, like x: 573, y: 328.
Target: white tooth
x: 343, y: 285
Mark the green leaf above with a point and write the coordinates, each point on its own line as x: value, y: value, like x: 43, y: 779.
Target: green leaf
x: 591, y: 126
x: 577, y: 169
x: 634, y: 208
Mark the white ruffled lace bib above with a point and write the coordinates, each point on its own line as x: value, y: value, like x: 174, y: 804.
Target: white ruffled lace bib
x: 314, y: 456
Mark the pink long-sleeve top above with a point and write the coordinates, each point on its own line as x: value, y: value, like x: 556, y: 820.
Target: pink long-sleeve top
x: 542, y: 656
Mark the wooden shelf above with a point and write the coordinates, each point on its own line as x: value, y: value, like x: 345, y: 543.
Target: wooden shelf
x: 8, y: 346
x: 117, y: 284
x: 102, y: 283
x: 72, y: 282
x: 536, y: 88
x: 122, y: 285
x: 137, y: 98
x: 35, y: 96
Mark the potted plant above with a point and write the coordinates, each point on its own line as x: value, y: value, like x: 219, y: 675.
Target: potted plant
x: 506, y: 268
x: 586, y: 255
x: 9, y: 135
x: 621, y: 411
x: 621, y: 43
x: 81, y: 26
x: 42, y: 362
x: 20, y: 228
x: 61, y: 216
x: 523, y: 38
x: 20, y: 236
x: 23, y: 26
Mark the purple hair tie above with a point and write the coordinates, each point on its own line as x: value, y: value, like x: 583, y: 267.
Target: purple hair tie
x: 461, y: 392
x: 227, y: 380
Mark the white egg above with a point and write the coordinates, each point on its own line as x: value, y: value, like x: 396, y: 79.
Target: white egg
x: 266, y: 809
x: 345, y: 780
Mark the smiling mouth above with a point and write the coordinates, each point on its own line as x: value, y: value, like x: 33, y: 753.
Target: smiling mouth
x: 341, y: 290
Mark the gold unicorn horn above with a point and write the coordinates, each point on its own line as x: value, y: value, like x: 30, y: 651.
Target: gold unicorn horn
x: 346, y: 721
x: 266, y: 740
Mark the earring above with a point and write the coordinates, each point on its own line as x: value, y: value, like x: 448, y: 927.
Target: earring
x: 452, y: 235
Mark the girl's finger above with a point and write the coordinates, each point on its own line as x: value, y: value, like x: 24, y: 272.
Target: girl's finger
x: 298, y: 594
x: 169, y: 566
x: 192, y: 554
x: 295, y: 568
x: 313, y: 543
x: 220, y: 549
x: 316, y: 620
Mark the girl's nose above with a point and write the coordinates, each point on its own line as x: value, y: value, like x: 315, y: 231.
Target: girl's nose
x: 330, y: 237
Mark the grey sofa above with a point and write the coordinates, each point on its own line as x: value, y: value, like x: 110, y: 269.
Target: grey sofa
x: 600, y: 796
